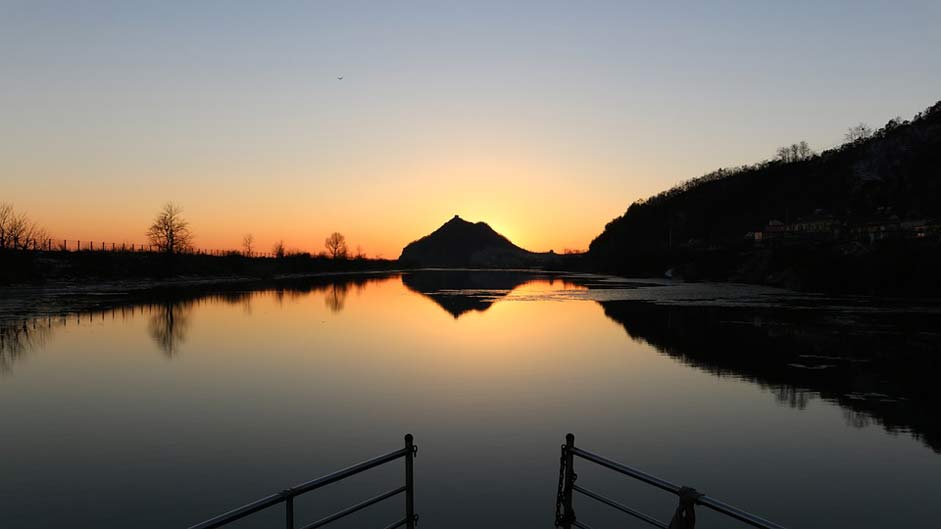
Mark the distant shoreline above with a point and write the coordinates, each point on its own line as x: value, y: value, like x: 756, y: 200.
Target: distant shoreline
x: 877, y: 272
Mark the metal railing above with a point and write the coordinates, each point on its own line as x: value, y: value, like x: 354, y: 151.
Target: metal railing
x: 565, y: 513
x: 287, y: 496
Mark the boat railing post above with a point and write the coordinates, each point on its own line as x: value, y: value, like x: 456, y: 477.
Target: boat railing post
x: 410, y: 450
x: 289, y: 512
x: 569, y: 512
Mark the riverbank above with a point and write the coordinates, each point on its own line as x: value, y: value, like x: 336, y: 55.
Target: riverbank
x: 892, y: 268
x: 67, y: 296
x: 50, y: 268
x: 886, y: 269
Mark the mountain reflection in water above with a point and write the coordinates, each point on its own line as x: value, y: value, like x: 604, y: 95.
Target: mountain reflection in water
x: 462, y: 291
x: 878, y: 366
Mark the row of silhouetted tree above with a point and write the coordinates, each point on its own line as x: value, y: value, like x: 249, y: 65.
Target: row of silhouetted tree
x: 170, y: 233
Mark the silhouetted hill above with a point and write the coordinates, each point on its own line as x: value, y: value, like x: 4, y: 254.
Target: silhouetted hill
x: 863, y: 205
x: 458, y: 243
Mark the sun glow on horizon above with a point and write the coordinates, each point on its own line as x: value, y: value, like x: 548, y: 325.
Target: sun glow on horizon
x: 546, y: 130
x: 379, y: 214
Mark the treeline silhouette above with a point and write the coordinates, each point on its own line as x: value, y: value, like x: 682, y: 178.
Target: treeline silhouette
x: 28, y: 254
x: 700, y: 225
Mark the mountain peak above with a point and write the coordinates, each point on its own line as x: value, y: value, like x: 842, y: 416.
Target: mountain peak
x: 461, y: 243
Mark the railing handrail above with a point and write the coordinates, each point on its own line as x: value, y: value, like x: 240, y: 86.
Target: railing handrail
x: 351, y: 470
x: 704, y: 500
x: 288, y: 495
x: 617, y: 505
x: 358, y: 507
x: 624, y: 469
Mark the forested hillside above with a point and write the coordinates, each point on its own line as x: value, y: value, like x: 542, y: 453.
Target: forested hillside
x: 892, y: 175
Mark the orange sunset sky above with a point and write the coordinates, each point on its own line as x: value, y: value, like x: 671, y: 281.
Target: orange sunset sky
x: 544, y: 122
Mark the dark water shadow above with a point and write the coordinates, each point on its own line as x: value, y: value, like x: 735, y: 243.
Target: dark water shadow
x: 878, y: 367
x: 461, y: 291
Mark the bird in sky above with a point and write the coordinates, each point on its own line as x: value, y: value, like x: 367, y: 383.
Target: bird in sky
x: 339, y: 78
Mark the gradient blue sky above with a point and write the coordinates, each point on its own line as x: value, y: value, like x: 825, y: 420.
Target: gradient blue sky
x: 545, y: 119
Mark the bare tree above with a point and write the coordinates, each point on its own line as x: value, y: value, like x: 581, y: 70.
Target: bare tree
x: 35, y: 237
x: 170, y: 233
x: 857, y: 133
x: 336, y: 245
x: 6, y: 215
x: 18, y: 232
x: 278, y: 249
x: 795, y: 152
x: 804, y: 151
x: 248, y: 244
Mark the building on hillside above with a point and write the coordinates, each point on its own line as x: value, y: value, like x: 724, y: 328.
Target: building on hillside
x: 878, y: 229
x: 915, y: 229
x: 819, y: 226
x: 825, y: 227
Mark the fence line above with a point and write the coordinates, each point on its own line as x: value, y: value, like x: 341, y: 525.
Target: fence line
x: 79, y: 245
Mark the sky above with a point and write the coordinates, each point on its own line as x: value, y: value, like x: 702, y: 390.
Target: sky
x: 544, y: 119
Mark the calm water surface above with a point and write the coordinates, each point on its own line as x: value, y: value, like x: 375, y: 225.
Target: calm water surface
x: 159, y: 412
